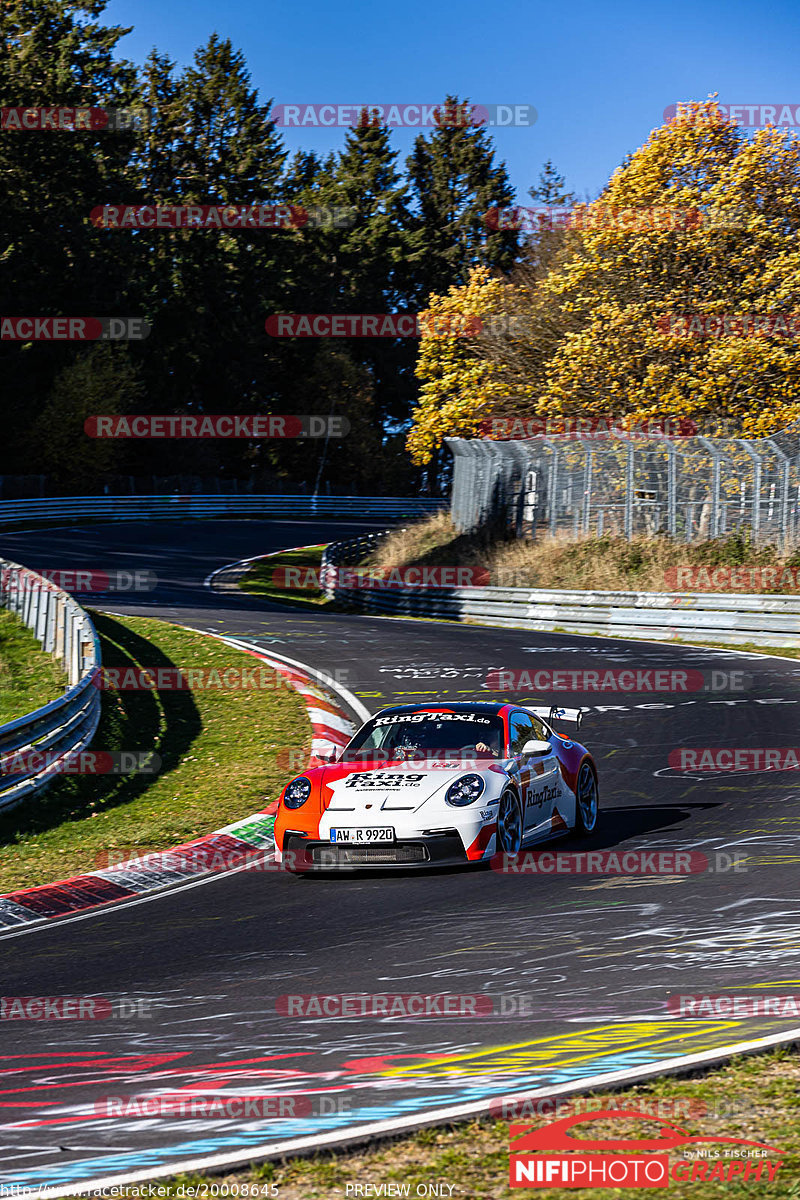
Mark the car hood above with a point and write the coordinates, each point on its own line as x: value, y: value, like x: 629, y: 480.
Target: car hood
x: 373, y: 791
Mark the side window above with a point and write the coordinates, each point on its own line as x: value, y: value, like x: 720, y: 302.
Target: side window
x: 524, y: 728
x: 540, y: 731
x: 520, y: 731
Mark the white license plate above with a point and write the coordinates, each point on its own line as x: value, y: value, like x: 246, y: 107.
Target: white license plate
x: 361, y: 836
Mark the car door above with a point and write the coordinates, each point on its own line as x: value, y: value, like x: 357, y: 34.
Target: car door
x: 538, y: 774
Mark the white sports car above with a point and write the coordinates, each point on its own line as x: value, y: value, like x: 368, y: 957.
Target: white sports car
x: 434, y: 784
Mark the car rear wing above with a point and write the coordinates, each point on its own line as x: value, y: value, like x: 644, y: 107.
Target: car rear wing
x: 553, y: 713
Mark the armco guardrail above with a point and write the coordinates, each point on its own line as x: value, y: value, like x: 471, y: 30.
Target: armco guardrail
x: 734, y: 618
x: 35, y: 747
x: 172, y: 508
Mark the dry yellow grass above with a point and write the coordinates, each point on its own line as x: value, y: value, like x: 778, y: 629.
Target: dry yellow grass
x: 608, y: 563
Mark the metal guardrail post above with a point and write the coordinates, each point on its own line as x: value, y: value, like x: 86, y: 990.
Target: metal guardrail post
x: 783, y: 535
x: 552, y: 486
x: 587, y: 486
x: 755, y: 512
x: 50, y: 629
x: 58, y: 631
x: 629, y: 476
x: 40, y: 628
x: 786, y: 533
x: 716, y: 482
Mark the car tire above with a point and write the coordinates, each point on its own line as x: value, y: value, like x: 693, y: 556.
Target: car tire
x: 509, y: 824
x: 587, y: 801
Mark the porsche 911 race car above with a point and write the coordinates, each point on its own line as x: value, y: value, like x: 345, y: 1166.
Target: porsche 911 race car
x: 435, y: 784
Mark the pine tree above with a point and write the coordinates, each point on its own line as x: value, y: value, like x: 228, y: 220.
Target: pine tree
x: 454, y: 181
x: 210, y: 289
x: 54, y: 53
x: 551, y: 188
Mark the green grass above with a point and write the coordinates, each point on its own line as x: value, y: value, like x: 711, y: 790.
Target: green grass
x: 754, y: 1098
x: 29, y: 678
x: 260, y: 580
x: 218, y: 750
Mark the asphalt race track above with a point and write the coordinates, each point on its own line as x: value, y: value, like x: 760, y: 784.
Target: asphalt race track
x: 579, y: 968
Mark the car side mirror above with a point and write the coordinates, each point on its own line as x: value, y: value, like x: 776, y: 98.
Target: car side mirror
x: 328, y: 756
x: 536, y: 747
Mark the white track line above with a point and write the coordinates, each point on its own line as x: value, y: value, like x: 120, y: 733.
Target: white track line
x: 361, y: 711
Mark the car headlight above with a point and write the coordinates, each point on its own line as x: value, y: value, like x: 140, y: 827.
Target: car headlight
x: 464, y: 791
x: 297, y: 792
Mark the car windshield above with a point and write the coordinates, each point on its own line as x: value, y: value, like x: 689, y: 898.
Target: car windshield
x: 420, y: 735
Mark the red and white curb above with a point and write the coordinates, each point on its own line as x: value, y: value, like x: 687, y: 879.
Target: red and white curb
x: 246, y: 842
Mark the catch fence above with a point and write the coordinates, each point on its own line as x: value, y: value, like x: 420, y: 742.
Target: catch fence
x: 687, y: 487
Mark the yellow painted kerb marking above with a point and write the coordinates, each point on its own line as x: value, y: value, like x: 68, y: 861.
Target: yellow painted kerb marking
x: 607, y: 1038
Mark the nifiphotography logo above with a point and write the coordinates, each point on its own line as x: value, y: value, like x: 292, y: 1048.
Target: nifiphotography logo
x: 615, y: 1163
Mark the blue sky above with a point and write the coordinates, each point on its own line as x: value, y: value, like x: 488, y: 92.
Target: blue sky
x: 599, y: 74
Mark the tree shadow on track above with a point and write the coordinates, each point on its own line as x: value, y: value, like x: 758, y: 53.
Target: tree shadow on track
x: 162, y: 722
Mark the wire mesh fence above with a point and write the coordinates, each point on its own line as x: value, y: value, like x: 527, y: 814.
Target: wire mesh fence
x: 690, y: 488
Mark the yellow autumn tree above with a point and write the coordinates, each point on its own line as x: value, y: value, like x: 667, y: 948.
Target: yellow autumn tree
x: 630, y: 286
x: 701, y: 221
x: 458, y: 384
